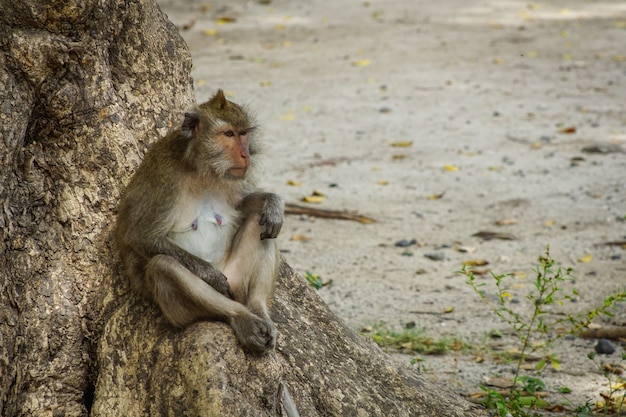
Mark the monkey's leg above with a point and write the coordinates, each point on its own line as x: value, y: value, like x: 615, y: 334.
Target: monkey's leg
x: 251, y: 270
x: 185, y: 298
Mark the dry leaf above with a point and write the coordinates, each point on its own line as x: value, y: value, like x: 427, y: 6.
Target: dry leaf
x: 585, y: 259
x: 568, y: 130
x: 549, y: 223
x: 506, y: 222
x: 294, y: 183
x: 405, y: 144
x: 316, y: 199
x: 287, y: 116
x: 436, y: 196
x: 488, y: 235
x: 397, y: 157
x: 300, y: 238
x: 361, y: 63
x: 476, y: 262
x: 382, y: 182
x: 448, y: 310
x: 226, y: 19
x: 450, y: 168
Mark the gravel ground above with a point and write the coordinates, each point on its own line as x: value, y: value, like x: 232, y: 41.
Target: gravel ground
x: 439, y: 120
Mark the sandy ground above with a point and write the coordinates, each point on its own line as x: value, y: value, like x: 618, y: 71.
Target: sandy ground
x: 437, y: 119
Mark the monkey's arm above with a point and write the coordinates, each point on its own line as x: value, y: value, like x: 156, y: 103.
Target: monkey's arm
x: 270, y: 207
x: 199, y: 267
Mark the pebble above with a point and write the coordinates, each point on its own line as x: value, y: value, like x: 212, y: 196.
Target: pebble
x: 604, y: 347
x: 404, y: 243
x: 435, y: 256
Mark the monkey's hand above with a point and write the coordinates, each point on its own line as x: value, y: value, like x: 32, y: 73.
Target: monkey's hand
x: 215, y: 279
x: 272, y: 216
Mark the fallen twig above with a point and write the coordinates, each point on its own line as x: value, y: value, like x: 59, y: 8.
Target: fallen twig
x: 327, y: 214
x: 610, y: 332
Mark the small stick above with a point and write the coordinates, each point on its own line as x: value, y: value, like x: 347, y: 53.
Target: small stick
x: 327, y: 214
x: 611, y: 332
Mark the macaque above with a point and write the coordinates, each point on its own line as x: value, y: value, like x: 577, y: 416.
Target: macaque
x: 195, y: 234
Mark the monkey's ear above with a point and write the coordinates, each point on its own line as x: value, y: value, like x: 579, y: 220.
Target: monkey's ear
x: 218, y: 101
x: 190, y: 124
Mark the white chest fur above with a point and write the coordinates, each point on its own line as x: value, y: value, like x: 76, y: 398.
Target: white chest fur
x: 205, y: 227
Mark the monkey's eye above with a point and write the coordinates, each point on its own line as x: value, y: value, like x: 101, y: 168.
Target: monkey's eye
x: 243, y: 133
x: 229, y: 133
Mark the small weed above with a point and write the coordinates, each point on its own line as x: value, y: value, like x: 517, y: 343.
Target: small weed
x: 411, y: 341
x: 314, y: 281
x: 548, y: 291
x: 613, y: 400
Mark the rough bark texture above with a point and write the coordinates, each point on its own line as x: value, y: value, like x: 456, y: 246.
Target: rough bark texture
x: 86, y: 87
x: 148, y: 368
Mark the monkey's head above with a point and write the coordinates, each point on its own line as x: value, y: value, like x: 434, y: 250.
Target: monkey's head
x: 220, y: 134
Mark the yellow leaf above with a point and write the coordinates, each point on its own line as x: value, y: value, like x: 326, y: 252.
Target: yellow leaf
x: 383, y: 182
x: 307, y: 109
x: 210, y: 32
x: 549, y: 223
x: 568, y: 57
x: 506, y: 222
x: 397, y: 157
x: 265, y: 83
x: 404, y: 144
x: 535, y: 145
x: 448, y: 310
x: 315, y: 199
x: 318, y: 193
x: 507, y: 295
x: 495, y: 168
x: 361, y: 63
x: 225, y: 20
x: 287, y: 116
x: 450, y: 168
x: 585, y: 259
x: 620, y: 24
x: 435, y: 196
x: 564, y: 34
x: 531, y: 54
x: 200, y: 83
x: 279, y: 26
x: 300, y: 238
x: 498, y: 61
x: 619, y: 58
x: 476, y: 262
x: 294, y: 183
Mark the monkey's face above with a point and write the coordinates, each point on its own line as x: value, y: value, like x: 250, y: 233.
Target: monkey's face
x: 236, y: 149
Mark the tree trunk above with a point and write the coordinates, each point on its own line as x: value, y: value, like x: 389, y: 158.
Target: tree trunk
x: 86, y: 87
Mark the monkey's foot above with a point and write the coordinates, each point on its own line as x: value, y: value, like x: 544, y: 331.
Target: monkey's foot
x: 255, y: 335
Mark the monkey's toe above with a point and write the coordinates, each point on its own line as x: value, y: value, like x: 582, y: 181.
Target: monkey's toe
x: 255, y: 335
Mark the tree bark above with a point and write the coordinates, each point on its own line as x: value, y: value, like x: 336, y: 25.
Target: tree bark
x: 86, y: 87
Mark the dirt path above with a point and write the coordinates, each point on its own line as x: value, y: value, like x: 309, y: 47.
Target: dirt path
x: 489, y: 105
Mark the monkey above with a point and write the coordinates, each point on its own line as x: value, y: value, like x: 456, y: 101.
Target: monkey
x: 193, y: 231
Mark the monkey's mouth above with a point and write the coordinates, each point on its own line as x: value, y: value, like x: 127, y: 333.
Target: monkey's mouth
x: 238, y: 172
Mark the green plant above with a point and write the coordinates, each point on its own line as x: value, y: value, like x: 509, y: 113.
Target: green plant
x: 314, y: 281
x: 548, y: 290
x: 411, y: 340
x: 613, y: 400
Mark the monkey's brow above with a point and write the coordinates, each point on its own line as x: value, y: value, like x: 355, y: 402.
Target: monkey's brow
x: 248, y: 129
